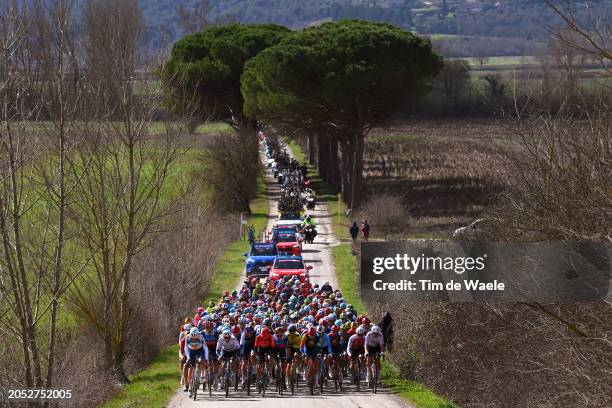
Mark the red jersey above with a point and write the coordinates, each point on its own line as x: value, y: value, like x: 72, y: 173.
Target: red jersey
x: 264, y: 341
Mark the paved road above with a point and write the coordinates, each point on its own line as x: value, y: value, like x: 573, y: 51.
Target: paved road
x: 319, y: 256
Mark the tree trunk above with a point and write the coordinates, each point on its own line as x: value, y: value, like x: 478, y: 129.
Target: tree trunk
x: 322, y: 161
x: 311, y: 149
x: 357, y: 173
x: 347, y: 171
x: 334, y: 166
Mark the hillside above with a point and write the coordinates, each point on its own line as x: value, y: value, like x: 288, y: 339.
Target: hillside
x: 516, y: 20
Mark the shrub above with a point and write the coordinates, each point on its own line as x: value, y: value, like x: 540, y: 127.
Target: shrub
x: 386, y: 214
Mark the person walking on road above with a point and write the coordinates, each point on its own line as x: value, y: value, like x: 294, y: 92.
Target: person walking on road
x: 365, y: 230
x: 354, y: 231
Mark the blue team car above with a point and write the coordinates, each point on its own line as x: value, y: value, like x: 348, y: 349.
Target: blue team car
x: 260, y: 258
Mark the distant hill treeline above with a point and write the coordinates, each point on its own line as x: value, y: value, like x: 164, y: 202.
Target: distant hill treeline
x: 511, y: 19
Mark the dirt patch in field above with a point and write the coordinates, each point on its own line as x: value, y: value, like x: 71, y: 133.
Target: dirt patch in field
x: 445, y: 171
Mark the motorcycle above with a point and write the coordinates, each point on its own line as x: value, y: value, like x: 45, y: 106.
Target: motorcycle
x: 310, y: 233
x: 310, y: 203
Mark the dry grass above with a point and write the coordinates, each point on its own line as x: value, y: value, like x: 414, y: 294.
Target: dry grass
x: 445, y: 171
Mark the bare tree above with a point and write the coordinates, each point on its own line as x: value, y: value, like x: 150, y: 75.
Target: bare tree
x: 37, y: 82
x: 122, y: 205
x: 589, y: 38
x: 195, y: 18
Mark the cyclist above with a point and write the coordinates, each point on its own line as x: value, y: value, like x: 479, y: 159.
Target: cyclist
x: 374, y: 348
x: 356, y: 347
x: 280, y: 347
x: 325, y: 348
x: 211, y: 338
x: 182, y: 357
x: 227, y: 348
x: 264, y: 346
x: 294, y: 339
x: 310, y: 348
x: 338, y: 346
x: 247, y: 344
x: 326, y: 288
x: 366, y: 324
x: 194, y: 349
x: 308, y: 221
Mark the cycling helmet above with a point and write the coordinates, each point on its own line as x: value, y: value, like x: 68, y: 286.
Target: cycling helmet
x: 292, y: 328
x: 375, y: 329
x: 365, y: 321
x: 187, y: 327
x: 187, y: 320
x: 360, y: 331
x: 321, y: 329
x: 226, y: 333
x: 335, y: 329
x: 200, y: 310
x: 194, y: 331
x: 236, y: 330
x: 265, y: 331
x: 312, y: 331
x: 338, y: 322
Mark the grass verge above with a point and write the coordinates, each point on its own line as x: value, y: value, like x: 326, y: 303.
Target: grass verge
x: 348, y: 279
x: 156, y: 384
x: 231, y: 265
x: 151, y: 387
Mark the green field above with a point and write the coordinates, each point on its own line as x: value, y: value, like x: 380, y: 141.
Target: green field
x: 156, y: 384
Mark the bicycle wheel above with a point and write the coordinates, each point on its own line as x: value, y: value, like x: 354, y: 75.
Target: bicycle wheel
x: 227, y: 378
x: 358, y: 375
x: 321, y: 376
x: 236, y: 377
x: 264, y: 382
x: 209, y: 379
x: 292, y: 379
x: 374, y: 378
x: 196, y: 381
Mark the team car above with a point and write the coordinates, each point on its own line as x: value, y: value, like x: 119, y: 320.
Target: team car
x: 288, y: 266
x: 288, y: 243
x: 259, y: 257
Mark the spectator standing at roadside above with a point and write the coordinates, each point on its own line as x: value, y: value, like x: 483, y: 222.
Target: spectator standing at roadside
x: 354, y: 231
x: 365, y: 230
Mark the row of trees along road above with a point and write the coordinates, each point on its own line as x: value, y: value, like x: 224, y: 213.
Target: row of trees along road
x: 332, y: 82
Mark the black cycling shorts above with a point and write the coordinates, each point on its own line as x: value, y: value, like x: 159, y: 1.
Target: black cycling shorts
x: 262, y: 352
x: 229, y: 354
x: 355, y: 353
x: 194, y: 355
x: 291, y: 352
x: 373, y: 350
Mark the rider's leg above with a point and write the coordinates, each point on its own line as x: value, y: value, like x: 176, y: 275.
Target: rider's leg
x: 189, y: 375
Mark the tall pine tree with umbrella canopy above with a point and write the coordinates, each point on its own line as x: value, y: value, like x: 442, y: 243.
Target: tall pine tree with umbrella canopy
x: 343, y: 78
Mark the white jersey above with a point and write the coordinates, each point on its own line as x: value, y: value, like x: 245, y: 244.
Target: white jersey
x: 227, y: 345
x: 374, y: 340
